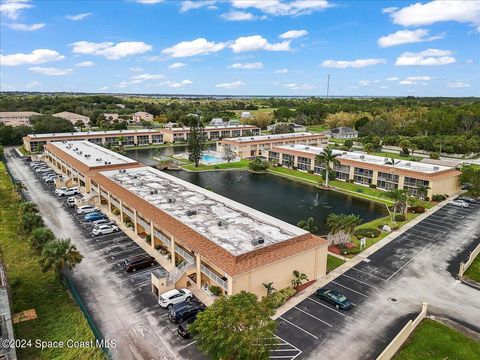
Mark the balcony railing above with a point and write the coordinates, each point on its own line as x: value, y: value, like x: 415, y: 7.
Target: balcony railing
x: 184, y: 254
x: 128, y: 212
x: 104, y: 193
x: 222, y: 283
x: 167, y: 241
x: 115, y: 203
x: 143, y: 224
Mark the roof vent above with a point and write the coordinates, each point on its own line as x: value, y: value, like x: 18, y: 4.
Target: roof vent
x: 122, y: 171
x: 307, y: 147
x: 261, y: 240
x: 362, y: 157
x: 222, y: 224
x: 436, y: 168
x: 386, y: 160
x: 254, y: 242
x: 191, y: 212
x: 344, y: 153
x: 171, y: 200
x: 106, y: 162
x: 408, y: 164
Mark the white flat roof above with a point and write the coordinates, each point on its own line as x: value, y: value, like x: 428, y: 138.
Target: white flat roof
x: 239, y: 223
x: 371, y: 159
x: 90, y: 154
x: 270, y: 137
x: 213, y: 127
x: 88, y: 133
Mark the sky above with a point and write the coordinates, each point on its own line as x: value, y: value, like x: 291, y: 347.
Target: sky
x: 242, y: 47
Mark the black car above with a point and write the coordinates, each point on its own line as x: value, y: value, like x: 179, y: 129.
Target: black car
x: 184, y: 310
x: 137, y: 262
x: 334, y: 297
x: 182, y: 329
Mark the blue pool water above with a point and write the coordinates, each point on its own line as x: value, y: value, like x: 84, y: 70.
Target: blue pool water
x: 209, y: 159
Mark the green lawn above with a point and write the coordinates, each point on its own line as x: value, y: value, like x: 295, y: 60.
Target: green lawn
x: 473, y: 271
x: 433, y: 340
x: 396, y: 156
x: 59, y: 318
x: 242, y: 164
x: 333, y: 262
x: 317, y: 128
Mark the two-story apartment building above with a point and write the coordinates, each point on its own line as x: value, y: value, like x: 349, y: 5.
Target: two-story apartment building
x: 180, y: 134
x: 17, y: 118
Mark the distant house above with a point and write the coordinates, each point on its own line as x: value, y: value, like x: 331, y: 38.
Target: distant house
x: 170, y: 125
x: 216, y: 122
x: 111, y: 116
x: 343, y: 132
x: 245, y: 115
x: 233, y: 122
x: 121, y: 106
x: 140, y: 116
x: 72, y: 117
x: 291, y: 126
x: 17, y: 118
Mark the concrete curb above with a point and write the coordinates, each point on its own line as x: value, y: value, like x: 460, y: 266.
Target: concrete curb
x: 355, y: 260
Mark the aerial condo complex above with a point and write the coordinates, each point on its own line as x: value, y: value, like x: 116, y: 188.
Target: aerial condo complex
x: 240, y: 180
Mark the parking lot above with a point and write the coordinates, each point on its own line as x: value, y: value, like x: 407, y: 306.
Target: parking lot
x: 314, y: 323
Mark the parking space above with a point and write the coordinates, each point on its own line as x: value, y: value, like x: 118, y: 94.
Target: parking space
x: 312, y: 322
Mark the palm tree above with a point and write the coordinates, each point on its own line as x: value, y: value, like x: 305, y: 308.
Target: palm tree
x: 60, y: 255
x: 326, y: 158
x: 343, y: 226
x: 399, y: 197
x: 269, y: 287
x: 28, y: 207
x: 308, y: 225
x: 422, y: 191
x: 298, y: 278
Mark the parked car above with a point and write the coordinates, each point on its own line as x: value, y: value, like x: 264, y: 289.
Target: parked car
x: 36, y: 164
x: 94, y: 216
x: 86, y: 209
x: 50, y: 180
x: 104, y: 229
x: 71, y: 201
x: 460, y: 203
x: 468, y: 199
x: 42, y: 170
x: 334, y: 297
x: 183, y: 310
x: 64, y: 191
x: 182, y: 329
x: 175, y: 296
x: 137, y: 262
x: 103, y: 222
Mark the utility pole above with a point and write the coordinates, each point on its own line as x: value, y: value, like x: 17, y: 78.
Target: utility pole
x: 328, y: 84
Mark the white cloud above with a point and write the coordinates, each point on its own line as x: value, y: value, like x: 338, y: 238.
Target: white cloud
x: 419, y: 78
x: 406, y: 82
x: 282, y: 8
x: 12, y: 9
x: 389, y: 10
x: 281, y: 71
x: 123, y: 84
x: 231, y: 85
x: 364, y: 82
x: 426, y: 57
x: 110, y: 50
x: 177, y: 65
x: 144, y: 77
x: 293, y: 34
x: 191, y: 5
x: 392, y: 78
x: 32, y: 84
x: 103, y: 88
x: 248, y: 66
x: 458, y: 85
x: 195, y: 47
x: 175, y: 84
x: 78, y: 17
x: 85, y: 64
x: 238, y: 16
x: 50, y: 71
x: 464, y: 11
x: 135, y: 69
x: 149, y: 2
x: 257, y: 42
x: 38, y: 56
x: 295, y: 86
x: 26, y: 27
x: 406, y: 37
x: 359, y: 63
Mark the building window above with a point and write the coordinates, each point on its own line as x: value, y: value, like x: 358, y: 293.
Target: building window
x: 288, y: 160
x: 342, y: 172
x: 142, y: 140
x: 157, y: 139
x: 387, y: 181
x: 362, y: 176
x: 411, y: 185
x: 304, y: 163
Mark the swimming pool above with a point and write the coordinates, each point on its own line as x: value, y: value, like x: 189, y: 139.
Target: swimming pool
x: 210, y: 159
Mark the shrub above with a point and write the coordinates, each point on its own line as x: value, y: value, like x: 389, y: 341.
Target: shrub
x: 416, y: 209
x: 310, y: 171
x: 148, y: 239
x: 40, y: 236
x: 128, y: 223
x: 351, y: 180
x: 215, y: 290
x: 372, y: 186
x: 366, y: 232
x: 258, y: 165
x: 400, y: 217
x: 31, y: 221
x: 434, y: 155
x: 278, y: 298
x: 438, y: 197
x: 116, y: 212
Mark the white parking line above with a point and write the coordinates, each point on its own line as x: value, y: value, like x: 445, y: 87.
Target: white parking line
x: 409, y: 261
x: 432, y: 227
x: 346, y: 287
x: 442, y: 222
x: 298, y: 327
x: 413, y: 241
x: 193, y: 342
x: 364, y: 272
x: 359, y: 281
x: 325, y: 306
x: 286, y: 343
x: 313, y: 316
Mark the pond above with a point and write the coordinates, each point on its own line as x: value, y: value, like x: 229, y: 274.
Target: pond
x: 285, y: 199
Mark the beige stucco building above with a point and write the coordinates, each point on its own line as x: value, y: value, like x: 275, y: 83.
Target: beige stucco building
x: 17, y: 118
x: 180, y: 134
x: 72, y: 117
x: 201, y: 238
x: 371, y: 170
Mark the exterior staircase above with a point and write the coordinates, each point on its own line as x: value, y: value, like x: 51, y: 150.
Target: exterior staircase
x: 177, y: 272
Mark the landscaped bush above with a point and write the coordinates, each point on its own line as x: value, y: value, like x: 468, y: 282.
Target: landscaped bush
x: 416, y: 209
x: 310, y: 171
x: 258, y: 165
x: 148, y: 239
x: 128, y: 223
x: 215, y: 290
x: 372, y: 186
x: 116, y: 212
x: 350, y: 181
x: 366, y: 232
x: 438, y: 197
x: 278, y: 298
x: 400, y: 217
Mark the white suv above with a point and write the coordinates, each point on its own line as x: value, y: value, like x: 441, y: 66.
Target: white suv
x: 86, y: 209
x: 459, y: 203
x: 175, y: 296
x: 104, y: 229
x: 64, y: 191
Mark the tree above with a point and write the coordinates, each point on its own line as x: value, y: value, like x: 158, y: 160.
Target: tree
x: 348, y: 144
x: 258, y: 165
x: 261, y: 119
x: 368, y: 148
x: 60, y: 255
x: 298, y: 279
x: 340, y: 118
x: 434, y: 155
x: 405, y: 145
x: 269, y: 287
x: 283, y: 114
x: 326, y: 158
x: 399, y: 198
x: 342, y: 226
x: 45, y: 124
x: 393, y: 163
x: 31, y: 221
x: 196, y: 141
x: 470, y: 178
x: 245, y: 333
x: 28, y: 207
x: 40, y: 236
x: 228, y: 153
x: 308, y: 225
x: 422, y: 191
x: 79, y: 124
